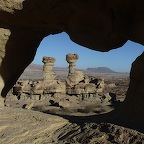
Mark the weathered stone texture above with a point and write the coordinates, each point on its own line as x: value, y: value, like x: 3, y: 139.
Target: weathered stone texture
x: 11, y: 5
x: 4, y: 36
x: 133, y: 105
x: 97, y: 24
x: 48, y: 73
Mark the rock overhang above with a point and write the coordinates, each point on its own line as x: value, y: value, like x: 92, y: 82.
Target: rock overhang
x: 91, y: 24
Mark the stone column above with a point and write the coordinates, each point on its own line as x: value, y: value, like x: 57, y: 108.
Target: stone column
x: 74, y: 76
x: 48, y: 73
x: 71, y: 59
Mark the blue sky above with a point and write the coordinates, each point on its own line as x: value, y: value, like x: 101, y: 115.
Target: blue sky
x: 59, y: 45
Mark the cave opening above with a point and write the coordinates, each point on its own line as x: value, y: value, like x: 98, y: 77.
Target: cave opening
x: 113, y: 67
x: 23, y: 25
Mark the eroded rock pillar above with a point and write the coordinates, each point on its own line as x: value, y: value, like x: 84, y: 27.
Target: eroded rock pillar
x: 74, y: 76
x: 71, y: 59
x: 48, y: 73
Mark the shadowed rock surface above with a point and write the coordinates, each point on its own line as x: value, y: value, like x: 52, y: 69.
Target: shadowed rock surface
x: 96, y: 24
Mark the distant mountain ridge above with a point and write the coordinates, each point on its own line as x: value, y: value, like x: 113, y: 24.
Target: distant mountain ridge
x: 40, y: 67
x: 101, y: 70
x: 97, y: 70
x: 35, y: 66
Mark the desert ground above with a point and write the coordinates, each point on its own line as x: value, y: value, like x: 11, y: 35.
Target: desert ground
x: 69, y: 119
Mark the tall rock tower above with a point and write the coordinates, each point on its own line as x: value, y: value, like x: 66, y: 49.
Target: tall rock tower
x: 74, y: 76
x: 48, y: 74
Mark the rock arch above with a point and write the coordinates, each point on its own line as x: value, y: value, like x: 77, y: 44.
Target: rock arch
x: 96, y: 24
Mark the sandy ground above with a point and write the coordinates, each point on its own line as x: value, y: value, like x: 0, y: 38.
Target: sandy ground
x: 20, y: 126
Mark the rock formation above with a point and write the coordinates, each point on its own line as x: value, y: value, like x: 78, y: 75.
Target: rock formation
x: 135, y: 93
x: 74, y: 76
x: 49, y: 85
x: 48, y: 74
x: 22, y: 87
x: 96, y: 24
x: 76, y: 83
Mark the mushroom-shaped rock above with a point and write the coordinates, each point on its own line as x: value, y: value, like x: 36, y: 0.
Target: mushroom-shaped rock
x: 48, y: 60
x: 72, y: 58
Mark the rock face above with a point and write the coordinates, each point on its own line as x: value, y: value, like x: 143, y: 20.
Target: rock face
x: 99, y: 25
x: 133, y: 104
